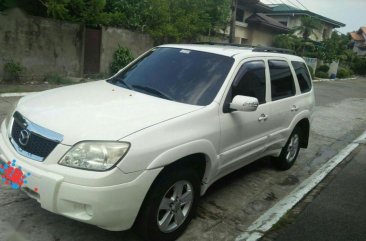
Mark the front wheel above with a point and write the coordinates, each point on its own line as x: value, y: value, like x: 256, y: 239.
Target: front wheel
x: 169, y: 205
x: 289, y: 152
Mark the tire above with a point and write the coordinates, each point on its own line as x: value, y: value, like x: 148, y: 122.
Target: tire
x: 150, y: 223
x: 290, y: 151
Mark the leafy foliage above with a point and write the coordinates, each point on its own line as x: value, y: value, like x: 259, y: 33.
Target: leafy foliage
x: 321, y: 74
x: 308, y: 27
x: 164, y: 20
x: 344, y: 73
x: 5, y: 4
x: 334, y: 48
x: 359, y: 66
x: 13, y: 70
x: 323, y: 68
x: 121, y: 58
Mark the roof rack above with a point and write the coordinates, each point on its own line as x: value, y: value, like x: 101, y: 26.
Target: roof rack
x: 226, y: 44
x: 273, y: 50
x: 255, y: 48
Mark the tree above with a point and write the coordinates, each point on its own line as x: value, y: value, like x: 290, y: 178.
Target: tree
x: 234, y: 6
x: 308, y: 27
x: 287, y: 41
x: 88, y: 12
x: 5, y: 4
x: 219, y: 15
x: 164, y: 20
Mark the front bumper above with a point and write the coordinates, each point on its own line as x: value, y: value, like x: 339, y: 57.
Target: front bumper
x: 111, y: 207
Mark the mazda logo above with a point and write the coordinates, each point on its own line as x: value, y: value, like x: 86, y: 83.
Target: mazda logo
x: 24, y: 137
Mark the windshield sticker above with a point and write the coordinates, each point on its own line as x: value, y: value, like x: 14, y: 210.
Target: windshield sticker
x: 185, y: 51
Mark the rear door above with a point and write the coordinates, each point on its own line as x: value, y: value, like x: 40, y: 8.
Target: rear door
x: 283, y: 101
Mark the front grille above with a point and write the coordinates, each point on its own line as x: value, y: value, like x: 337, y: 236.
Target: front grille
x: 36, y: 145
x: 31, y: 140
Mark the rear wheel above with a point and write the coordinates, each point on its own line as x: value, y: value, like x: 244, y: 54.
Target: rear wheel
x: 290, y: 151
x: 169, y: 206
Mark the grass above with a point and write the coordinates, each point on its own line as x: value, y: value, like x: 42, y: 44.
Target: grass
x: 57, y: 79
x: 19, y: 88
x: 288, y: 218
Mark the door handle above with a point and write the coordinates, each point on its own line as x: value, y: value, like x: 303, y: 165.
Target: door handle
x: 294, y: 108
x: 263, y: 117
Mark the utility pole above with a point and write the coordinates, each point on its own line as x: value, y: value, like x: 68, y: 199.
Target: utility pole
x: 234, y: 5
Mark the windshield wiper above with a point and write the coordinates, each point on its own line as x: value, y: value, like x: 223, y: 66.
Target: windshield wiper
x: 120, y: 82
x: 152, y: 91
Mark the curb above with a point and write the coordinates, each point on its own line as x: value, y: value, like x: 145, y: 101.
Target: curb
x: 16, y: 94
x: 265, y: 222
x: 322, y: 80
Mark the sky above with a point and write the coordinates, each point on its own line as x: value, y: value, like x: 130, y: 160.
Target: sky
x: 350, y: 12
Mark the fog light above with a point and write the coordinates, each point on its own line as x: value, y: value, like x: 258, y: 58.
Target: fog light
x: 89, y: 210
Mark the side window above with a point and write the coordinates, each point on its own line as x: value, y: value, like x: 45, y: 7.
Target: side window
x: 303, y: 76
x: 282, y: 81
x: 251, y: 81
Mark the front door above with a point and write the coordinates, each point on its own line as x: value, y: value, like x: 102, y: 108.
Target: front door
x: 244, y: 134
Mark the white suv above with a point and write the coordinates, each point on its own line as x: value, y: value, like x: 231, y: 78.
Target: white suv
x: 140, y: 148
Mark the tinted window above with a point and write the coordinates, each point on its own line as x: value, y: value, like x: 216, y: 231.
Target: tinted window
x: 186, y: 76
x: 251, y: 81
x: 302, y: 76
x: 282, y: 82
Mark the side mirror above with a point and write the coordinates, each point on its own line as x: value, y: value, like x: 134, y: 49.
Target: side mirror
x: 244, y: 103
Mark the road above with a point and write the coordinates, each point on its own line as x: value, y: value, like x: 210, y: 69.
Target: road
x: 338, y: 212
x: 232, y: 203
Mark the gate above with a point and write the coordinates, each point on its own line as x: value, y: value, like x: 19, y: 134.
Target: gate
x: 92, y: 45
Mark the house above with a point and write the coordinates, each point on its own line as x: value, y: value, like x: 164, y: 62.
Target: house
x: 253, y: 26
x: 291, y: 18
x: 359, y: 41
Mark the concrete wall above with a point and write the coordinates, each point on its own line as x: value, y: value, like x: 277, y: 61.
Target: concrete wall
x: 112, y: 38
x: 41, y: 45
x: 46, y: 46
x: 312, y: 62
x: 262, y: 37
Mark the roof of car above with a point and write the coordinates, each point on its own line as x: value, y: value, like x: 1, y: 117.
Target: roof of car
x: 234, y: 50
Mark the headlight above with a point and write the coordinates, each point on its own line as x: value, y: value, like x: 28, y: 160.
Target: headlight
x: 95, y: 155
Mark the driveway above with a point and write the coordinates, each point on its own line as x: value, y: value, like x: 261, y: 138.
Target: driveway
x: 232, y: 203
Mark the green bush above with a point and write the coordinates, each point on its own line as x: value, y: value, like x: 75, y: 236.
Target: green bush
x: 359, y: 66
x: 121, y: 58
x: 321, y: 74
x: 57, y: 79
x: 344, y: 73
x: 13, y: 71
x: 323, y: 68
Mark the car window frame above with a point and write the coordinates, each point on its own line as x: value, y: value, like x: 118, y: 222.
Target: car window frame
x: 293, y: 73
x: 226, y: 96
x: 297, y: 80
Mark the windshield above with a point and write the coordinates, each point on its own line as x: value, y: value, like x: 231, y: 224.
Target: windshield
x: 181, y: 75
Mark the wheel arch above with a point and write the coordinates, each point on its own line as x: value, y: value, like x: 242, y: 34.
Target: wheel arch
x: 195, y: 154
x: 304, y: 126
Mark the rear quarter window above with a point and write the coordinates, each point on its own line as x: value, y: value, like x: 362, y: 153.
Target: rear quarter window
x: 303, y: 76
x: 282, y: 81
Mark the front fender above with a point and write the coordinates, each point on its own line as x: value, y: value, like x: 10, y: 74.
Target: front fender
x: 179, y: 152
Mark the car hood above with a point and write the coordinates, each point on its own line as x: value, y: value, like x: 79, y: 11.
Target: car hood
x: 98, y: 111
